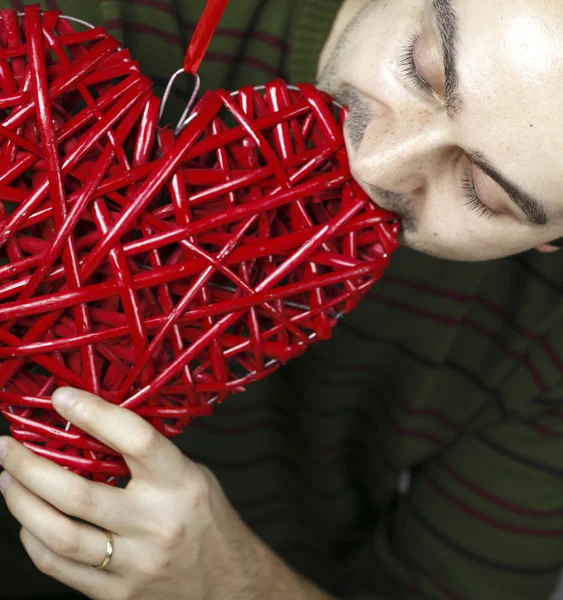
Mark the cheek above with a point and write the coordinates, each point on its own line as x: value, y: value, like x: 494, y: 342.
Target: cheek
x: 450, y: 230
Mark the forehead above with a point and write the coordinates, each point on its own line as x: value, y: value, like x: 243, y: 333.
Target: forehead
x: 510, y: 64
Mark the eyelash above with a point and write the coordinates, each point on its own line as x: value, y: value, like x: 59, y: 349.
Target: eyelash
x: 408, y: 67
x: 472, y: 198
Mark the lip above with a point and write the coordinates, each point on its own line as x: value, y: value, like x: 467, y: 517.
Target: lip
x: 363, y: 185
x: 350, y: 153
x: 376, y: 201
x: 367, y: 188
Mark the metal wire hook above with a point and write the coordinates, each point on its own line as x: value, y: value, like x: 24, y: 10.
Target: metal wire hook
x: 166, y: 97
x: 186, y: 117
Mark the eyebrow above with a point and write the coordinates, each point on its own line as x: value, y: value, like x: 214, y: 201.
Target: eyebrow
x: 448, y: 28
x: 533, y: 209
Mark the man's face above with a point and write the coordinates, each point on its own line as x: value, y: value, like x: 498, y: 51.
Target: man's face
x: 472, y: 162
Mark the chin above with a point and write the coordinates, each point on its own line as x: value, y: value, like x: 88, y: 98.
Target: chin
x: 413, y: 242
x: 407, y: 241
x: 411, y: 238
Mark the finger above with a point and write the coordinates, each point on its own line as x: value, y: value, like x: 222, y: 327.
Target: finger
x: 109, y: 508
x: 97, y: 585
x: 149, y: 455
x: 57, y: 532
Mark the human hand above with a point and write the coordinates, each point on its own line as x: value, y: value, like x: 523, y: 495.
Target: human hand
x: 175, y: 534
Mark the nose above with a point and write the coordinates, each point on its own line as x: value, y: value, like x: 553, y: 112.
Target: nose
x: 402, y: 151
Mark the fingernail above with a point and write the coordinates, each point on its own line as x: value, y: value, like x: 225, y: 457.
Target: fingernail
x: 64, y: 398
x: 5, y: 479
x: 3, y: 448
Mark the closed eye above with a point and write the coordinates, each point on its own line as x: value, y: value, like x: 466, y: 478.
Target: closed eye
x: 472, y: 199
x: 409, y: 68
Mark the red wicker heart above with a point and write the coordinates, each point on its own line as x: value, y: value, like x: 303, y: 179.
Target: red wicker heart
x: 162, y: 274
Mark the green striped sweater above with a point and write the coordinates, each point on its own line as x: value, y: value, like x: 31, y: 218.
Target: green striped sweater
x: 418, y: 453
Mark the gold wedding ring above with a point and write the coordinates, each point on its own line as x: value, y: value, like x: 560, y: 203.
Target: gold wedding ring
x: 109, y: 552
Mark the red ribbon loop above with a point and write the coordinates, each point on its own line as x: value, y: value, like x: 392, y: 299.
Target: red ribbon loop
x: 203, y: 34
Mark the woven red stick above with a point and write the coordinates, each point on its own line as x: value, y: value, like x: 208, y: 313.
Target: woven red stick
x: 161, y: 276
